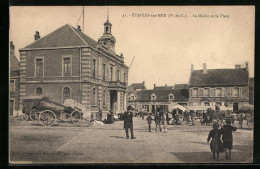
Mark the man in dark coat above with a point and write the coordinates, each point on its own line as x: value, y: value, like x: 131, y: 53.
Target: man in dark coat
x: 128, y: 122
x: 227, y: 137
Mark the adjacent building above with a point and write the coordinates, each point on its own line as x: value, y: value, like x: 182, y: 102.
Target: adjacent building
x: 226, y: 88
x: 14, y: 82
x: 69, y: 64
x: 160, y: 96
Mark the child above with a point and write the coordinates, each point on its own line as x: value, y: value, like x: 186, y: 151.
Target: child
x: 164, y: 123
x: 149, y: 121
x: 157, y: 121
x: 215, y: 144
x: 227, y: 137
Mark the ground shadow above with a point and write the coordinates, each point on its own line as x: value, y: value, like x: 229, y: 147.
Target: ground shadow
x: 117, y: 136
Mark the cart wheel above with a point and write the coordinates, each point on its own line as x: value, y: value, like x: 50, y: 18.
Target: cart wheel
x: 75, y: 116
x: 33, y: 115
x: 25, y: 117
x: 47, y: 117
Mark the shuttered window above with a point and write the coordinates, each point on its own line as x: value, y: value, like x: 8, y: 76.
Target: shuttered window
x: 200, y: 92
x: 218, y: 92
x: 206, y: 92
x: 39, y: 67
x: 195, y: 92
x: 222, y: 92
x: 66, y: 67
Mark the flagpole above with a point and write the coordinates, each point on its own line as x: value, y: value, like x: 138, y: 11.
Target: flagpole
x: 83, y: 19
x: 131, y: 62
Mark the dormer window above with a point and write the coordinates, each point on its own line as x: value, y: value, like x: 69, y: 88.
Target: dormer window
x: 171, y: 96
x: 132, y: 97
x: 153, y: 97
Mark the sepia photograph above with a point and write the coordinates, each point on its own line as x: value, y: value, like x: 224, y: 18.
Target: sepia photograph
x: 131, y: 84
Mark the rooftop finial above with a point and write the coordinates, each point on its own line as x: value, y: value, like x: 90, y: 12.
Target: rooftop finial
x: 107, y: 14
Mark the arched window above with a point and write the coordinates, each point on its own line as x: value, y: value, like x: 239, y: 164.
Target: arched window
x: 219, y: 104
x: 104, y: 98
x: 66, y: 93
x: 206, y: 104
x: 39, y: 91
x: 94, y: 98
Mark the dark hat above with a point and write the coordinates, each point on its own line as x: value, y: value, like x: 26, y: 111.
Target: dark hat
x: 215, y: 125
x: 228, y: 121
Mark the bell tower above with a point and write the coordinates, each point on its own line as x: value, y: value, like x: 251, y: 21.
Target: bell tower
x: 107, y: 40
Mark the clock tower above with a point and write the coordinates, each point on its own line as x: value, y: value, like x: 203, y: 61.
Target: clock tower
x: 107, y: 40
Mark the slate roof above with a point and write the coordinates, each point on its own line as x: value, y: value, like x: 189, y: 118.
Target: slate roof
x: 219, y: 77
x: 135, y: 86
x: 181, y: 86
x: 163, y: 87
x: 162, y: 95
x: 63, y: 37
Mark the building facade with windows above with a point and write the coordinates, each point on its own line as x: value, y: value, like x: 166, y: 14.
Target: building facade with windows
x: 14, y: 82
x: 226, y: 88
x: 69, y: 64
x: 161, y: 96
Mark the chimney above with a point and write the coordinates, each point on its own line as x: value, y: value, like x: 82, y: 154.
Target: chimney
x: 37, y: 36
x: 237, y: 66
x: 79, y: 28
x: 154, y: 86
x: 204, y: 68
x: 246, y: 66
x: 165, y: 85
x: 143, y: 82
x: 191, y: 68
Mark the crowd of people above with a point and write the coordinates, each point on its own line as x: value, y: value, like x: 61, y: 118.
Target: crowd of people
x: 220, y: 137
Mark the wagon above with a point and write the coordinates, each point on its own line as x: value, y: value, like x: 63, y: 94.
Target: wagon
x: 45, y: 111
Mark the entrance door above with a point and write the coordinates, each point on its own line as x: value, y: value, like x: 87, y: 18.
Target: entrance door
x: 11, y: 107
x: 153, y: 108
x: 113, y: 100
x: 235, y: 107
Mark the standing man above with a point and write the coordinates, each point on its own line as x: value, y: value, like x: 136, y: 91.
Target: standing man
x: 128, y: 122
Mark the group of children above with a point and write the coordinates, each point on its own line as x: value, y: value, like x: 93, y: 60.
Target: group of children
x: 160, y: 121
x: 224, y: 133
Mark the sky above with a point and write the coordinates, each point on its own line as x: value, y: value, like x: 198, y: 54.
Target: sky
x: 163, y: 48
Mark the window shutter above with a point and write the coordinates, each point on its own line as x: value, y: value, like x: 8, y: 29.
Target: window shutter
x: 240, y: 92
x: 222, y: 92
x: 210, y: 92
x: 200, y: 92
x: 191, y: 92
x: 231, y: 92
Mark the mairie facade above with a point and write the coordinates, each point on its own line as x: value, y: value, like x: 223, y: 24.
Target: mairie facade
x: 226, y: 88
x: 69, y: 64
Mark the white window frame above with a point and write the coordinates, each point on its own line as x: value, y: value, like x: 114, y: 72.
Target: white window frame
x: 204, y: 89
x: 193, y: 89
x: 66, y: 57
x: 35, y: 66
x: 153, y: 95
x: 171, y: 95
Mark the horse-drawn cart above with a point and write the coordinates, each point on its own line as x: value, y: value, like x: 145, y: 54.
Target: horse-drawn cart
x: 45, y: 111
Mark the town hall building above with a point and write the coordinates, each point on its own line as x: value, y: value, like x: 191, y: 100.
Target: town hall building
x: 68, y: 64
